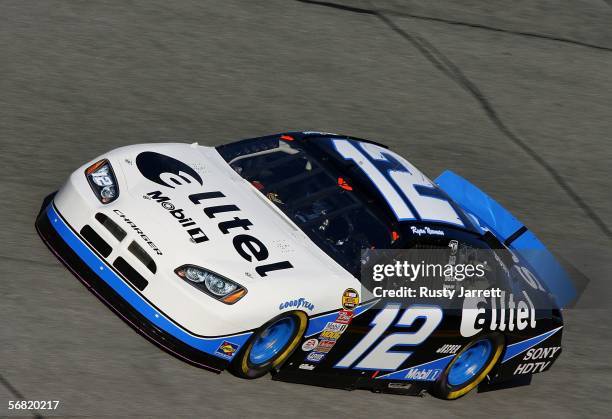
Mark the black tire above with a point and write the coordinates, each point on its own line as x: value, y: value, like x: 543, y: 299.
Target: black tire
x: 242, y: 367
x: 444, y: 390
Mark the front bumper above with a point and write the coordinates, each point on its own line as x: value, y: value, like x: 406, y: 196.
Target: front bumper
x: 109, y: 285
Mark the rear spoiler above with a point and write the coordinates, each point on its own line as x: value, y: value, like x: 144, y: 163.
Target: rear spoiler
x: 513, y: 233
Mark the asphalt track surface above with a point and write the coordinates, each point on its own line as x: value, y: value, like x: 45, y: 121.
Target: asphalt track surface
x: 515, y: 96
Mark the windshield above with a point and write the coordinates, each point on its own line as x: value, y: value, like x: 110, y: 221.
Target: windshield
x: 321, y: 202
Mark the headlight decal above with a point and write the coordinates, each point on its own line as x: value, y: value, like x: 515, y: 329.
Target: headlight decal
x: 102, y: 180
x: 218, y: 287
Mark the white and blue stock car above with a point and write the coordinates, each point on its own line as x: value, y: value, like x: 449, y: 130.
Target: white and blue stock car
x: 247, y: 257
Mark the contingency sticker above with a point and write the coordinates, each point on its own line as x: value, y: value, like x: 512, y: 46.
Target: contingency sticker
x: 332, y: 330
x: 227, y: 349
x: 350, y: 299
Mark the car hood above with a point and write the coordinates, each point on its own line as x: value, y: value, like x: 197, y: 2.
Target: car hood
x: 196, y: 210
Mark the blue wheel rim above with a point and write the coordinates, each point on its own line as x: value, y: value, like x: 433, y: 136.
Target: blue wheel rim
x: 273, y: 340
x: 470, y: 363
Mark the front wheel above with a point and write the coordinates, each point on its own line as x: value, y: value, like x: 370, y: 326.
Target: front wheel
x: 469, y: 367
x: 270, y: 345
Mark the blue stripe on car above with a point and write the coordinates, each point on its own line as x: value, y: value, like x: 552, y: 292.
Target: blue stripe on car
x: 98, y: 265
x: 429, y: 371
x: 520, y: 347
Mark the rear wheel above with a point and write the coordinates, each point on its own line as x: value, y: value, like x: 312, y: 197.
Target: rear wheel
x: 270, y: 345
x: 469, y: 367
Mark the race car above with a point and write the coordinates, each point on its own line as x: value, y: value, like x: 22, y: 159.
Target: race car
x: 248, y: 257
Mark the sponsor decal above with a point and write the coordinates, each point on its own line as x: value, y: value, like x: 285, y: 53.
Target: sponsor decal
x: 335, y: 327
x: 315, y: 357
x: 297, y: 303
x: 506, y: 312
x: 448, y: 349
x: 165, y: 170
x: 309, y: 345
x: 531, y: 367
x: 308, y: 367
x: 419, y: 231
x: 518, y: 348
x: 333, y: 330
x: 423, y: 374
x: 344, y: 317
x: 325, y: 345
x: 541, y: 353
x: 138, y: 231
x: 537, y: 354
x: 328, y: 334
x: 172, y: 173
x: 350, y: 299
x: 227, y: 349
x: 428, y: 371
x: 196, y: 233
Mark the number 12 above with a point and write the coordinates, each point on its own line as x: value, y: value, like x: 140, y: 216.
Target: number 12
x: 380, y: 357
x: 419, y: 198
